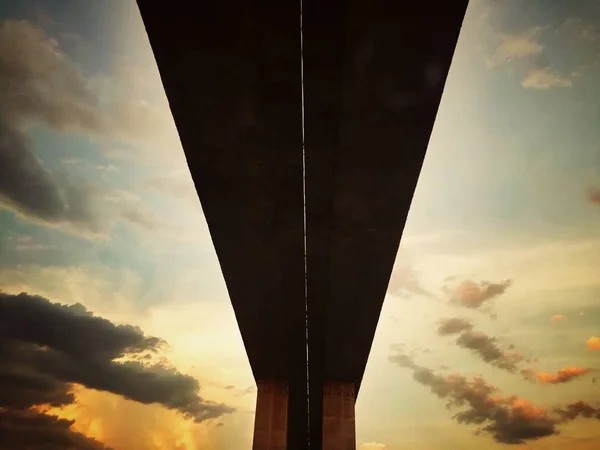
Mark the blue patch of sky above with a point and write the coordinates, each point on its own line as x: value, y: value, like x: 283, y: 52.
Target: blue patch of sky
x: 497, y: 137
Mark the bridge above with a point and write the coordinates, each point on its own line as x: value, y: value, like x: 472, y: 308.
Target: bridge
x: 305, y: 125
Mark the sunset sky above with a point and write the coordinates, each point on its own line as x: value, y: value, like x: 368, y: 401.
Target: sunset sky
x: 489, y: 336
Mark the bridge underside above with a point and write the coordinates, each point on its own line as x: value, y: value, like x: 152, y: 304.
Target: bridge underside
x: 374, y: 72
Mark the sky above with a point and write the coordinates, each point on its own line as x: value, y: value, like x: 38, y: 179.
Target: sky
x: 116, y: 330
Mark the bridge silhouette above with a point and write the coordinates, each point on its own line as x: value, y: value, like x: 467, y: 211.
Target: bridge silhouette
x: 305, y: 125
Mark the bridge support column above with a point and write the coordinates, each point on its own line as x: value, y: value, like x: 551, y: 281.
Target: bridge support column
x: 270, y: 421
x: 339, y: 431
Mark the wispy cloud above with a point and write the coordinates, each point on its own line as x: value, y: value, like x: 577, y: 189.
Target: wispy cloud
x: 516, y: 46
x: 580, y: 29
x: 405, y: 280
x: 563, y: 375
x: 557, y: 318
x: 546, y: 78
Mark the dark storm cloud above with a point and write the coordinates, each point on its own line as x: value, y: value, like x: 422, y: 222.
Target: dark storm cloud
x: 470, y: 294
x: 453, y: 325
x: 26, y: 430
x: 22, y: 389
x: 509, y: 420
x: 39, y: 84
x: 45, y: 347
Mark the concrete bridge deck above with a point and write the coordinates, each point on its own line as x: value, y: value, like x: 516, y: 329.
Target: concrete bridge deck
x: 374, y: 72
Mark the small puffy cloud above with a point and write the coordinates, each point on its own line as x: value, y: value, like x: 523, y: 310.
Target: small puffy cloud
x: 557, y: 318
x: 593, y: 343
x: 470, y: 294
x: 563, y: 375
x: 516, y: 46
x: 593, y: 196
x: 453, y: 325
x: 546, y: 78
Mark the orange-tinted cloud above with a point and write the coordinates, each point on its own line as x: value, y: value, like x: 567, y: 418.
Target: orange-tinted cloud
x: 593, y: 343
x: 42, y: 365
x: 123, y: 424
x: 593, y: 196
x: 509, y: 420
x: 25, y: 429
x: 563, y: 375
x: 557, y: 318
x: 473, y: 295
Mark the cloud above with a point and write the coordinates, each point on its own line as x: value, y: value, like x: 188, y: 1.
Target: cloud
x: 25, y: 243
x: 453, y: 326
x: 25, y: 430
x: 516, y: 46
x: 28, y: 187
x: 46, y: 347
x: 578, y: 28
x: 33, y: 192
x: 484, y: 346
x: 373, y: 446
x: 557, y: 318
x: 487, y: 349
x: 527, y: 46
x: 40, y: 84
x: 579, y: 409
x: 470, y: 294
x: 545, y: 78
x: 509, y: 420
x: 593, y: 343
x: 178, y: 184
x: 563, y: 375
x: 593, y: 196
x: 405, y: 280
